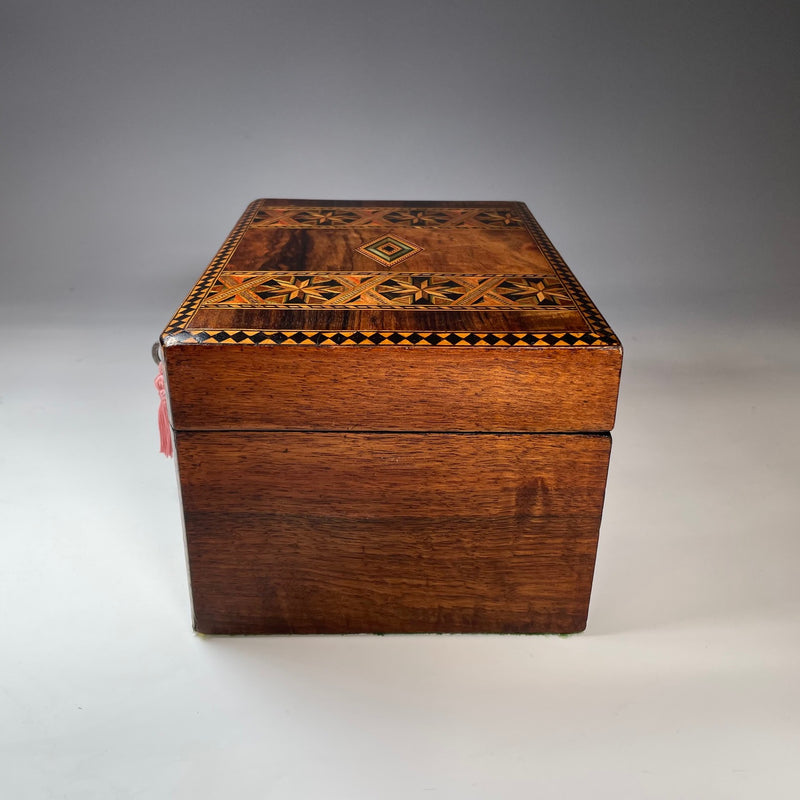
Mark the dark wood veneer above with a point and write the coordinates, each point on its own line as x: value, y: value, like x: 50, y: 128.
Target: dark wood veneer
x: 342, y: 533
x: 393, y: 388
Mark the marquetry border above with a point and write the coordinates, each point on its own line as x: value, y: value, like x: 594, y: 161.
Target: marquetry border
x: 593, y: 317
x: 601, y: 334
x: 345, y: 214
x: 381, y: 290
x: 192, y: 302
x: 430, y: 338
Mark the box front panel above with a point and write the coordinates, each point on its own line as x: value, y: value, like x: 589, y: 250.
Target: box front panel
x: 291, y: 532
x: 240, y: 387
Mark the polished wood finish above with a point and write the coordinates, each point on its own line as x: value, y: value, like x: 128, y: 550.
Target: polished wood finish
x: 447, y: 250
x: 390, y: 417
x: 241, y: 387
x: 391, y: 533
x: 486, y: 320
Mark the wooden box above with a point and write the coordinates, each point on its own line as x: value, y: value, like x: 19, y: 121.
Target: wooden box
x: 390, y: 417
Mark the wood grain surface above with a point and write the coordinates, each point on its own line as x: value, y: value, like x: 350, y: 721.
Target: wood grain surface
x: 344, y: 533
x: 240, y: 387
x: 486, y: 320
x: 451, y: 250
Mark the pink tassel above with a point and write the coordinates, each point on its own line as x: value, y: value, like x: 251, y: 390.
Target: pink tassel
x: 164, y: 430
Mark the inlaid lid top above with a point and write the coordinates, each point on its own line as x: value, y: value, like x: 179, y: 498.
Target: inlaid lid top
x: 322, y: 272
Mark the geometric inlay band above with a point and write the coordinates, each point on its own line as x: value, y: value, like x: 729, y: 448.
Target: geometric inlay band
x: 385, y: 338
x: 386, y: 216
x: 382, y: 290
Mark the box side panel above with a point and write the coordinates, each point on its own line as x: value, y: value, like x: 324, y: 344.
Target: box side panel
x: 245, y: 387
x: 293, y: 532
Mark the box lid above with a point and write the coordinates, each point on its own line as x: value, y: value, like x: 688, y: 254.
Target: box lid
x: 386, y: 315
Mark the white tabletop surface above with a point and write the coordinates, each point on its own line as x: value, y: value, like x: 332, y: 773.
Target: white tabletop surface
x: 684, y: 684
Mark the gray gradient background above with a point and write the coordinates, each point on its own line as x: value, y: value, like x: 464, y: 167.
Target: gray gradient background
x: 657, y: 145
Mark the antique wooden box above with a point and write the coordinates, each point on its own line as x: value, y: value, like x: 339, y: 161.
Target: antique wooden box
x: 390, y: 417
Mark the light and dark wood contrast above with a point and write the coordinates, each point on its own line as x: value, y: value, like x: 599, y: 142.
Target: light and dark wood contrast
x: 390, y: 417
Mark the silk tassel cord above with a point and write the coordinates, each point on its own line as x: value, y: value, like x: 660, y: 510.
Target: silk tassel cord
x: 164, y: 430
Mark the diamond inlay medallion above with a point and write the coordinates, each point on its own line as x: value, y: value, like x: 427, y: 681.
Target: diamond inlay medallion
x: 388, y: 250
